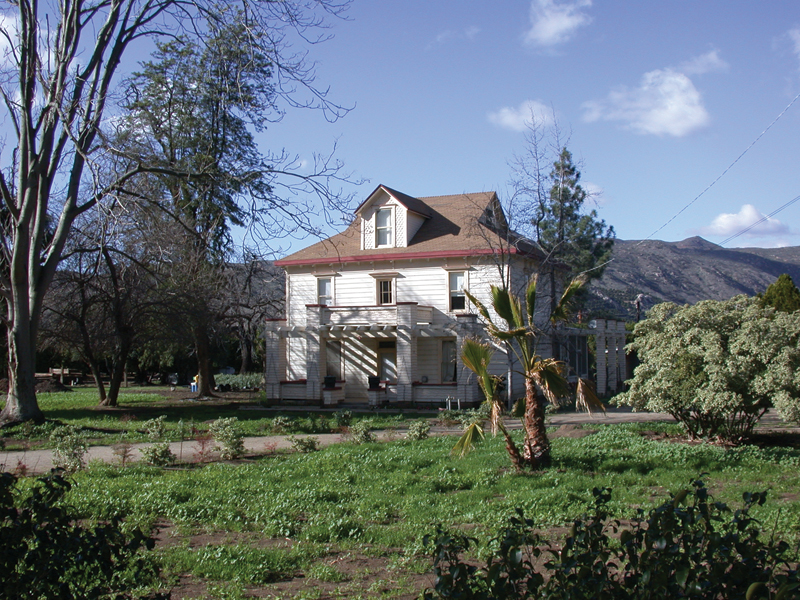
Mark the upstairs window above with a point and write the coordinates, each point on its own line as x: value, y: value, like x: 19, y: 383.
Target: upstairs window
x: 383, y: 228
x: 325, y: 291
x: 385, y: 295
x: 458, y: 300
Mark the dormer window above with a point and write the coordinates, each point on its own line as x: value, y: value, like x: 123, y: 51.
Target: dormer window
x: 383, y: 228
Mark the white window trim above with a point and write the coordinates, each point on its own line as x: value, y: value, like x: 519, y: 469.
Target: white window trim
x: 447, y: 289
x: 392, y: 227
x: 332, y: 277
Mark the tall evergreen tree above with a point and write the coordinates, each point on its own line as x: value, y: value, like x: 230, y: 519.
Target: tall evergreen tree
x: 782, y: 295
x: 570, y: 236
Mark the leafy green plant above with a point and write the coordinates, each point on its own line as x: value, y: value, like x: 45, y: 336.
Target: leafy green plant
x: 343, y: 418
x: 69, y: 448
x: 158, y: 454
x: 48, y: 553
x: 418, y: 430
x: 281, y: 424
x: 361, y: 432
x: 241, y: 381
x: 304, y: 444
x: 689, y: 546
x: 229, y: 438
x: 156, y: 428
x: 717, y: 367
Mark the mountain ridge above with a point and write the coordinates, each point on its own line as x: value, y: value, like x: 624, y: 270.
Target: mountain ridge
x: 685, y: 272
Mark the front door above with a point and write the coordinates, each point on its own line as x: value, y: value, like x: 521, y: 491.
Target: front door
x: 387, y: 364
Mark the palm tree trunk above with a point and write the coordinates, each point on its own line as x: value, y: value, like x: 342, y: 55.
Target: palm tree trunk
x: 536, y: 447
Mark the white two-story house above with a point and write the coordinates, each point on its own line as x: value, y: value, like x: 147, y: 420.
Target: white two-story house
x: 378, y: 312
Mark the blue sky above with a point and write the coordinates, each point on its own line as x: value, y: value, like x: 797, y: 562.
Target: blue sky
x: 660, y: 98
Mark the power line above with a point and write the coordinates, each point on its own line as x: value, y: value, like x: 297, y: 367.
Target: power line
x: 710, y: 185
x: 721, y: 175
x: 760, y: 221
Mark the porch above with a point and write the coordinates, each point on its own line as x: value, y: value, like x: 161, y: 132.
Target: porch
x: 377, y: 355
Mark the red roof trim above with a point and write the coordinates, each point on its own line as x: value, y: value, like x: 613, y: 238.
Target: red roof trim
x: 396, y: 256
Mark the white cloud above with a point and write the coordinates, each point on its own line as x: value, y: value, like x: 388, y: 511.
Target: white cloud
x: 469, y: 33
x: 794, y: 36
x: 705, y: 63
x: 665, y: 103
x: 553, y: 23
x: 727, y: 224
x: 518, y: 119
x: 595, y: 193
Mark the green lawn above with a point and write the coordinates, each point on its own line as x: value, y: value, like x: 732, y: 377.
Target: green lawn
x: 383, y: 498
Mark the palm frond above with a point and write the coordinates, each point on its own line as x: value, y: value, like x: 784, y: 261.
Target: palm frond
x: 495, y: 417
x: 476, y: 356
x: 502, y: 303
x: 563, y: 308
x: 467, y: 441
x: 549, y: 377
x: 585, y: 398
x: 530, y: 298
x: 481, y: 308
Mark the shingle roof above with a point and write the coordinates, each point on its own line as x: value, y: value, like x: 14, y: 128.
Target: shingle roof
x: 457, y: 227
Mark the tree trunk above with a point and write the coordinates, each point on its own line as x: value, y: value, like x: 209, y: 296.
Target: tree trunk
x: 94, y: 367
x: 246, y: 351
x: 21, y: 404
x: 117, y: 373
x: 205, y: 380
x: 536, y: 447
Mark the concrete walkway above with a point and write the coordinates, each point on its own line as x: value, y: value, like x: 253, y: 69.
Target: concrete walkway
x: 36, y: 462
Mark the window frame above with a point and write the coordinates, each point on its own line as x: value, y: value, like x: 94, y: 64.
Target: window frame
x: 459, y: 293
x: 389, y: 281
x: 330, y: 279
x: 388, y: 229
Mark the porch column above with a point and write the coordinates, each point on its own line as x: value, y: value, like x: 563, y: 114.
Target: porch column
x: 313, y: 351
x: 276, y: 358
x: 611, y: 340
x: 467, y: 389
x: 622, y: 363
x: 406, y: 350
x: 602, y: 374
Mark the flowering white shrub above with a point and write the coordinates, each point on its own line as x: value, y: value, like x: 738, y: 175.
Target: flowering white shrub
x: 717, y: 366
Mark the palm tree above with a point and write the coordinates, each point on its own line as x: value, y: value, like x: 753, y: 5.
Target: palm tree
x: 544, y: 377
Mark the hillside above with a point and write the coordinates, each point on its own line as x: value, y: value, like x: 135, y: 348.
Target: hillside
x: 686, y: 272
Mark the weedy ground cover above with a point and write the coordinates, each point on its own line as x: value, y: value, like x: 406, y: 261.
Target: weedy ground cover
x: 184, y: 419
x: 381, y: 499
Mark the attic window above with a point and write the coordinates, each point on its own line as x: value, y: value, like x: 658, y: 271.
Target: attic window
x: 383, y: 228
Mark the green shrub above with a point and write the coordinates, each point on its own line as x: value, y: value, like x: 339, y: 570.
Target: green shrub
x: 418, y: 430
x: 69, y: 448
x: 48, y: 554
x: 361, y: 432
x: 690, y: 546
x: 158, y: 454
x: 229, y: 438
x: 281, y: 424
x: 156, y: 428
x: 343, y: 418
x: 716, y: 367
x: 241, y: 381
x: 305, y: 444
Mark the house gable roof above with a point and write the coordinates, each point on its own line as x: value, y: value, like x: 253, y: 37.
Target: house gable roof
x: 457, y: 225
x: 413, y: 204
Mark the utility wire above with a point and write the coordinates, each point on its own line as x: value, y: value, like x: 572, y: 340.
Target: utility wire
x: 760, y: 221
x: 710, y: 185
x: 721, y: 175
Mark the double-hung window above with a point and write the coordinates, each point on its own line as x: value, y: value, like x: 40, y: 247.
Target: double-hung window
x: 325, y: 291
x: 458, y: 301
x: 383, y: 228
x: 385, y: 295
